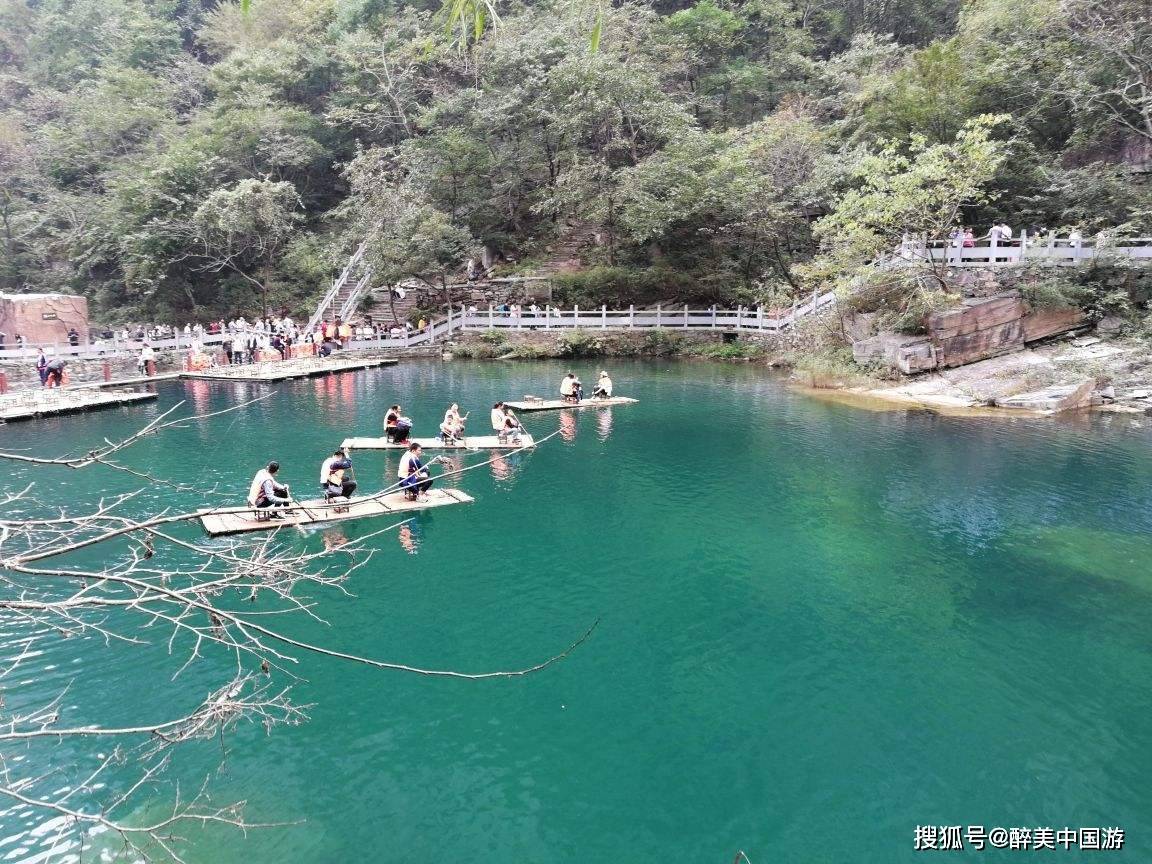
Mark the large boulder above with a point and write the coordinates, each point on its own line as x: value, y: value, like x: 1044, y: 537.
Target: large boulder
x: 907, y: 353
x: 1043, y: 323
x: 1053, y: 400
x: 978, y: 329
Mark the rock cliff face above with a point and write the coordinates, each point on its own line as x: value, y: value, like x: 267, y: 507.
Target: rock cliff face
x: 979, y: 328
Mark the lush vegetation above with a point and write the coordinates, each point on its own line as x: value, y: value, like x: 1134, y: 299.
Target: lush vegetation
x: 190, y: 156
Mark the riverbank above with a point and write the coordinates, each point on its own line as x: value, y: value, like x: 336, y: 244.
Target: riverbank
x: 1076, y: 373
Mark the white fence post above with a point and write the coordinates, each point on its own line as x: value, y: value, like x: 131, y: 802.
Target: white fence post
x: 491, y: 316
x: 658, y: 321
x: 685, y: 316
x: 760, y: 317
x: 632, y: 316
x: 548, y: 316
x: 575, y: 316
x: 603, y: 317
x: 713, y: 316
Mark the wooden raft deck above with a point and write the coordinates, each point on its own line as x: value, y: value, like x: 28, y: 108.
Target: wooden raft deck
x: 281, y: 370
x: 238, y: 520
x: 30, y: 404
x: 554, y: 404
x: 471, y: 442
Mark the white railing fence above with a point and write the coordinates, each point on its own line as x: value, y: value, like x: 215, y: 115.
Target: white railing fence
x: 741, y: 320
x: 1039, y: 248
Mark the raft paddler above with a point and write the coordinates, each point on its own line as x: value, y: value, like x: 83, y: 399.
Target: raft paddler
x: 452, y: 428
x: 396, y: 425
x: 603, y: 388
x: 265, y: 492
x: 414, y: 479
x: 334, y: 479
x: 512, y: 427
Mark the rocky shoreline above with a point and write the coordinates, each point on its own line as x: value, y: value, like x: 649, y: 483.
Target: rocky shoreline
x: 1073, y: 374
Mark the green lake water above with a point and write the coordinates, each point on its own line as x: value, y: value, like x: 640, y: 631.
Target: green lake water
x: 819, y: 628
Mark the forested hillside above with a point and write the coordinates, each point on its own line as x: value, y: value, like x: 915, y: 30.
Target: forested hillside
x: 182, y: 156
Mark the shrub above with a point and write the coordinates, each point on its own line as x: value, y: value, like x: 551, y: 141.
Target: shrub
x: 577, y: 343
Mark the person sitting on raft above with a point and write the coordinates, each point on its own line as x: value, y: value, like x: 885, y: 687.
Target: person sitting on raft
x: 265, y: 492
x: 396, y: 425
x: 512, y: 427
x: 568, y: 388
x: 333, y: 480
x: 603, y: 389
x: 452, y: 428
x: 414, y: 479
x: 498, y: 419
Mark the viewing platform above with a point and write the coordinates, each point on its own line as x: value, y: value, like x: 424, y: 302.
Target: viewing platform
x: 281, y: 370
x: 33, y: 404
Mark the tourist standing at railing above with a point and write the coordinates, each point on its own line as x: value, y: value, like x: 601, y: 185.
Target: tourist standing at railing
x: 969, y: 238
x: 41, y: 366
x: 1075, y: 238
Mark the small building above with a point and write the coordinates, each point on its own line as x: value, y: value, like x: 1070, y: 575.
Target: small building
x: 43, y: 319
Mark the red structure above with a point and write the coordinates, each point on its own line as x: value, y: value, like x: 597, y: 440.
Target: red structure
x: 43, y: 319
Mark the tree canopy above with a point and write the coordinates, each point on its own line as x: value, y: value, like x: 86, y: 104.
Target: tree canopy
x: 169, y: 157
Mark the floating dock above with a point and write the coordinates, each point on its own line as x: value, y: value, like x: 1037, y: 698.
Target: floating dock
x: 470, y: 442
x: 554, y: 404
x: 281, y: 370
x: 238, y: 520
x: 31, y: 404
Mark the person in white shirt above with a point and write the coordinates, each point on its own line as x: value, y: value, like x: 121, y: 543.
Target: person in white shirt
x: 603, y: 388
x: 568, y: 388
x: 265, y: 492
x: 414, y: 479
x: 147, y: 355
x: 498, y: 419
x: 333, y: 480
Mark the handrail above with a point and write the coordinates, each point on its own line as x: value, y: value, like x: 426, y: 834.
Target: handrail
x: 330, y: 297
x: 741, y: 319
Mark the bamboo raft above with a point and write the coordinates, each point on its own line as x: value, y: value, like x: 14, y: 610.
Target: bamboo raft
x: 31, y: 404
x: 554, y: 404
x: 469, y: 442
x: 280, y: 370
x: 238, y: 520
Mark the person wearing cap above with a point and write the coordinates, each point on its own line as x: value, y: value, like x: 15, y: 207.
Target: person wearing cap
x: 265, y: 492
x: 603, y: 389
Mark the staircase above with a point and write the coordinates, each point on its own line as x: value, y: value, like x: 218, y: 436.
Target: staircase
x: 566, y: 254
x: 341, y: 299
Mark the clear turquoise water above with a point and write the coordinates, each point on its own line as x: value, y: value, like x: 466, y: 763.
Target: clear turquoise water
x: 820, y: 627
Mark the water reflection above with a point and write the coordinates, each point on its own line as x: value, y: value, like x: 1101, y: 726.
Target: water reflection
x: 410, y: 537
x: 501, y: 470
x: 334, y: 538
x: 568, y: 426
x: 604, y: 423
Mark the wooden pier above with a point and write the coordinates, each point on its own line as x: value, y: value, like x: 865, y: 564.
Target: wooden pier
x: 469, y: 442
x: 554, y: 404
x: 31, y: 404
x: 281, y: 370
x: 239, y: 520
